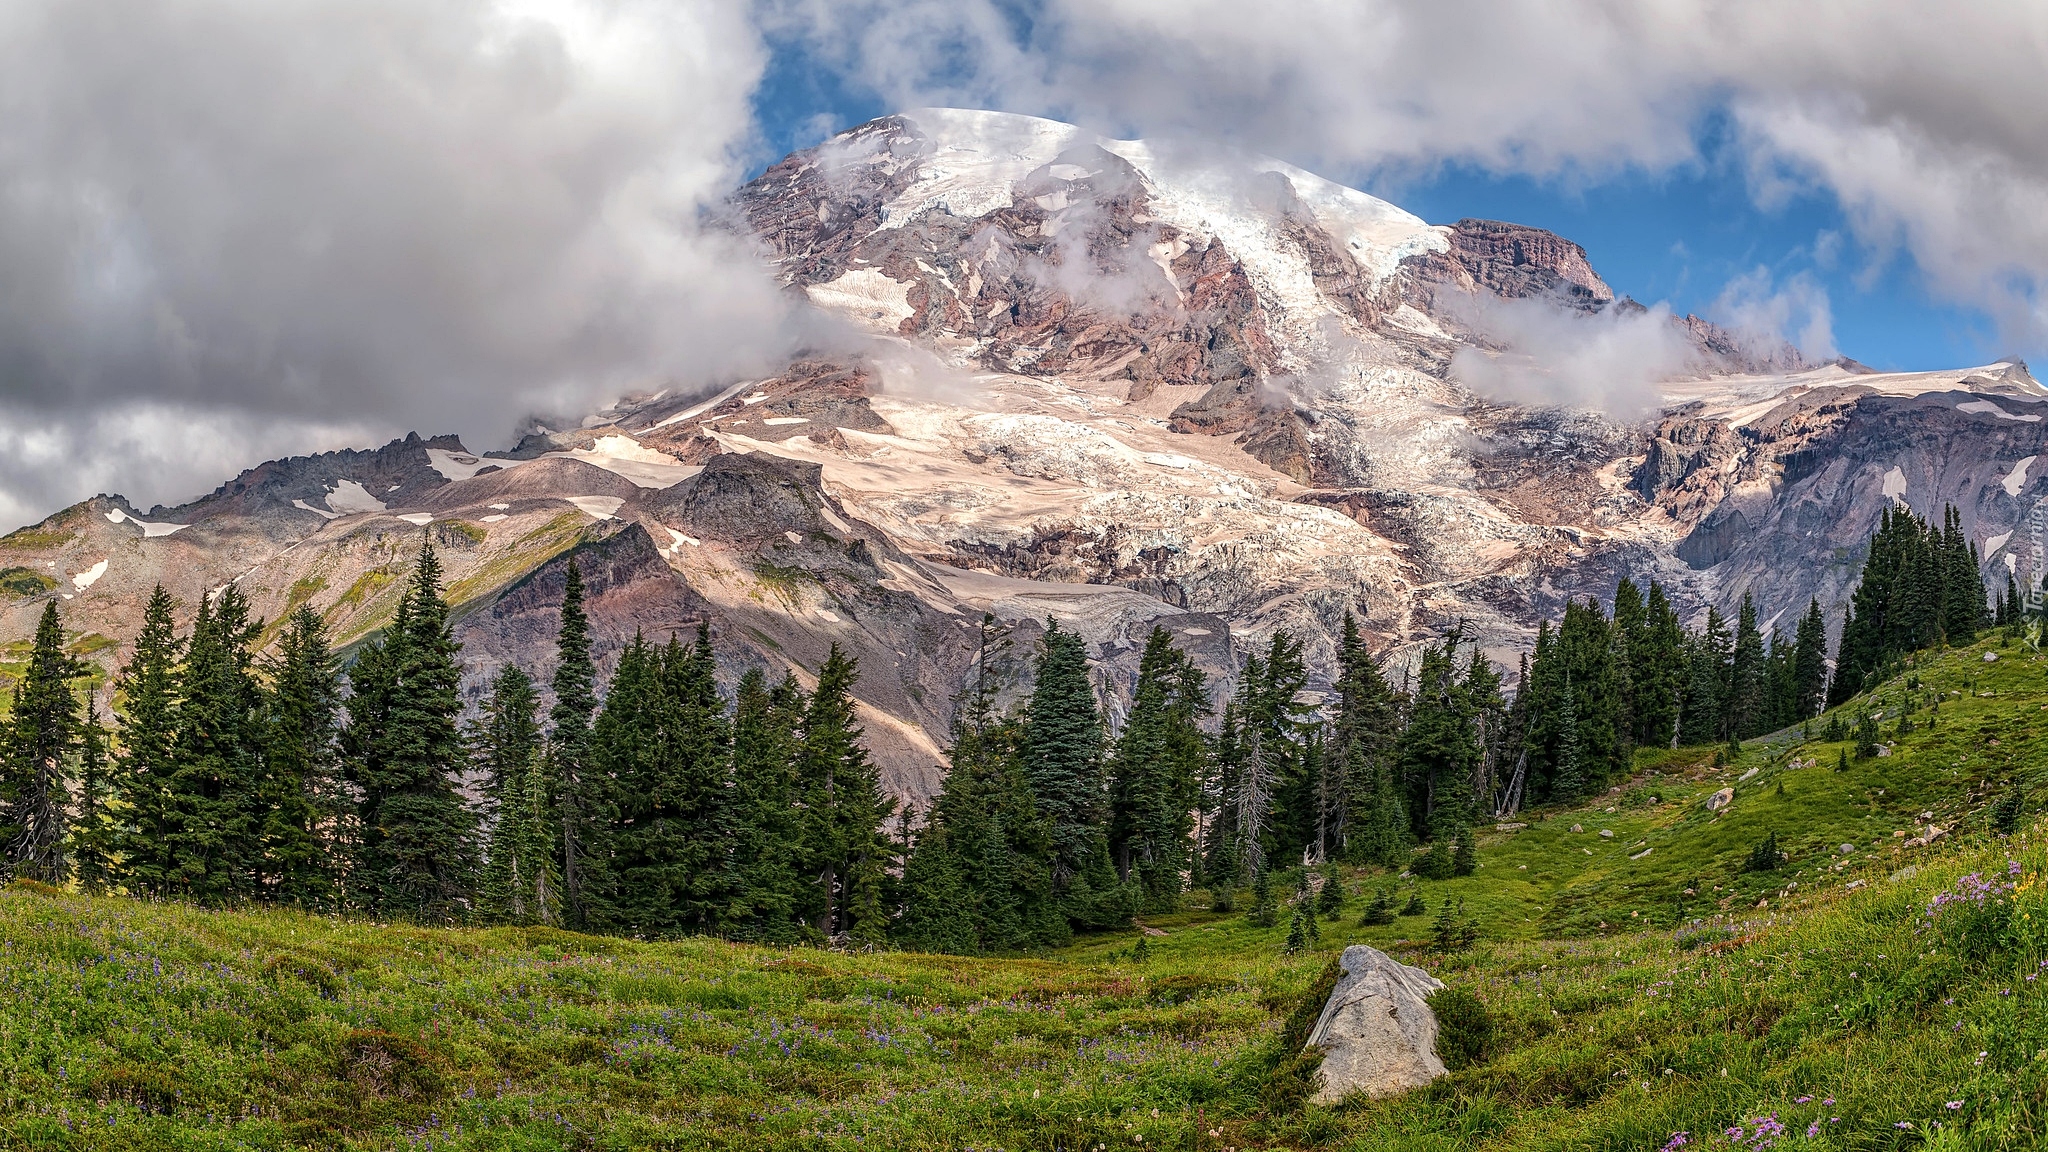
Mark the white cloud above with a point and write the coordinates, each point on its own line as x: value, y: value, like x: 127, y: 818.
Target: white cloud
x: 172, y: 453
x: 1763, y: 311
x: 349, y: 213
x: 1928, y: 122
x: 1610, y: 361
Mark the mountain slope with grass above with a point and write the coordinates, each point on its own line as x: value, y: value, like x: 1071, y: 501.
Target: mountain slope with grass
x: 1730, y: 974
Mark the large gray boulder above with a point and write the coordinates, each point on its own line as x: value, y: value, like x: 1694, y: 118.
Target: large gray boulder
x: 1377, y: 1033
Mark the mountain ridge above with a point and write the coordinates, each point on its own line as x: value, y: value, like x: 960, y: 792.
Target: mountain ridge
x: 1096, y: 381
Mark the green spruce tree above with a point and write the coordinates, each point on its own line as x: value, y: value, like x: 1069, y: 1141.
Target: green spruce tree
x: 147, y: 687
x: 415, y: 859
x: 586, y: 803
x: 504, y: 745
x: 303, y: 808
x: 35, y: 749
x: 95, y: 829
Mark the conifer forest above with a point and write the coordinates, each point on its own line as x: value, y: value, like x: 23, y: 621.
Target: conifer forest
x: 655, y: 806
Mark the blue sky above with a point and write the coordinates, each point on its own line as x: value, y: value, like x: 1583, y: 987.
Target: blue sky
x: 1679, y: 236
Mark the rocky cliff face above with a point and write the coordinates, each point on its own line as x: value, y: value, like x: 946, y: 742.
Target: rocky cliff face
x: 1108, y: 387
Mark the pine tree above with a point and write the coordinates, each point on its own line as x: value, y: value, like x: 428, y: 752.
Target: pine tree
x: 1372, y: 823
x: 1298, y: 930
x: 1709, y: 655
x: 148, y: 694
x: 1154, y: 772
x: 586, y: 802
x: 1810, y: 663
x: 938, y: 915
x: 215, y: 784
x: 1570, y: 782
x: 504, y: 748
x: 302, y: 805
x: 1437, y: 863
x: 1465, y: 859
x: 1062, y: 752
x: 1748, y: 677
x: 1222, y: 867
x: 95, y: 831
x: 1440, y: 749
x: 1296, y: 792
x: 1659, y: 664
x: 1445, y: 932
x: 841, y: 790
x: 1381, y: 910
x: 983, y: 840
x: 417, y: 836
x: 769, y: 821
x: 39, y: 737
x: 1330, y: 898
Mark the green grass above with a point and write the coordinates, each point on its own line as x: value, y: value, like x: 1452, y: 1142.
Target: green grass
x: 32, y: 538
x: 1839, y: 1003
x: 25, y: 582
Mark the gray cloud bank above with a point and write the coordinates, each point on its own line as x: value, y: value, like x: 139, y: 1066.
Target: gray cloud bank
x: 237, y: 226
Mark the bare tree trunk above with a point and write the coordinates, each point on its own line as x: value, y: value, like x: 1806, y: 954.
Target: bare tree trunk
x: 1511, y: 801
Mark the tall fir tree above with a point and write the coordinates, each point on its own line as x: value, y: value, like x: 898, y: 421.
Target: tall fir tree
x: 304, y: 811
x: 215, y: 783
x: 1272, y: 706
x: 1748, y: 678
x: 1810, y: 664
x: 1062, y: 758
x: 1440, y: 747
x: 148, y: 696
x: 1372, y: 825
x: 663, y: 740
x: 850, y: 854
x: 416, y: 855
x: 95, y: 829
x: 586, y: 803
x: 1155, y: 770
x: 1703, y: 711
x: 769, y: 849
x: 1659, y: 664
x: 520, y: 879
x: 35, y: 748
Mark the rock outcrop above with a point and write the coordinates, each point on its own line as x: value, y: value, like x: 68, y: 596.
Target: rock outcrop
x: 1377, y: 1033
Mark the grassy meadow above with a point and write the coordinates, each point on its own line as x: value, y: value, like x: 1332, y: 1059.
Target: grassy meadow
x: 1645, y: 992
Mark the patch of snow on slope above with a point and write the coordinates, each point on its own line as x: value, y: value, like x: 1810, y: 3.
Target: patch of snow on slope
x: 320, y: 512
x: 1987, y: 408
x: 2017, y: 478
x: 865, y: 295
x: 602, y: 507
x: 460, y: 465
x: 89, y: 577
x: 348, y: 497
x: 1895, y: 483
x: 1996, y: 542
x: 624, y: 456
x: 703, y: 406
x: 148, y: 528
x: 420, y: 518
